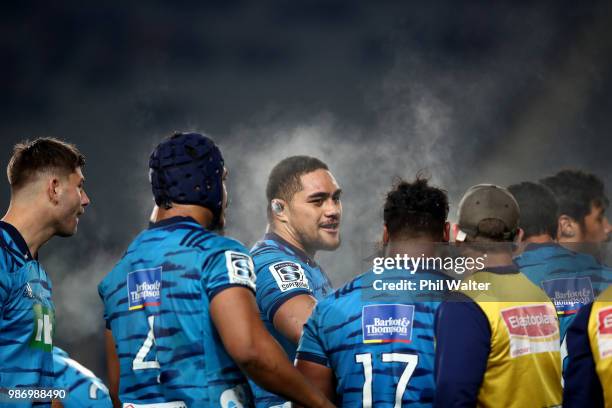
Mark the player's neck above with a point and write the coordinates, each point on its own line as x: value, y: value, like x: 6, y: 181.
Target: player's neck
x: 412, y: 247
x: 290, y: 237
x: 539, y: 239
x: 201, y: 215
x: 30, y: 224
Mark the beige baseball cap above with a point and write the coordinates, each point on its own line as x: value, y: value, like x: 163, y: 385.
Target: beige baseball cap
x: 486, y: 201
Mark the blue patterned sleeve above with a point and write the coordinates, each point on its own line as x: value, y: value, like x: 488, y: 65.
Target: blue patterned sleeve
x: 311, y: 346
x: 277, y: 282
x: 228, y: 267
x: 5, y: 281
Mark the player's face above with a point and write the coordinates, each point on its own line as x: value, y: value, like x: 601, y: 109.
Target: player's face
x: 596, y: 226
x: 72, y: 201
x: 315, y: 211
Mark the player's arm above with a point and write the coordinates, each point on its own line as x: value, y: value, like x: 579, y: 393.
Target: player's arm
x: 463, y: 343
x: 321, y: 376
x: 291, y: 316
x: 236, y: 317
x: 112, y: 366
x: 582, y: 385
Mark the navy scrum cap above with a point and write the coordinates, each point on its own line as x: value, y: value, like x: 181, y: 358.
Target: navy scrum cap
x: 187, y: 168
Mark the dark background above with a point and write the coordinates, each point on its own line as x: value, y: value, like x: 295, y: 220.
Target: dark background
x: 469, y: 92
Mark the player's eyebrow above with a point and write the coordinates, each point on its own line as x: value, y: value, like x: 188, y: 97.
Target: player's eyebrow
x: 324, y: 194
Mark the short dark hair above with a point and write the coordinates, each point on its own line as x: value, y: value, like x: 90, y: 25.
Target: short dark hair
x: 284, y: 180
x: 415, y: 209
x: 539, y: 208
x: 576, y: 191
x: 40, y: 155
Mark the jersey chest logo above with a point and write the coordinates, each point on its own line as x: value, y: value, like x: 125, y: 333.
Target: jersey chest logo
x: 391, y: 323
x: 569, y: 294
x: 144, y: 288
x: 289, y: 275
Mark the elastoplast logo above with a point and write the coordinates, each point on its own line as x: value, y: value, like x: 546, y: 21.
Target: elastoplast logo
x: 532, y: 329
x: 387, y: 323
x: 605, y: 321
x: 144, y: 288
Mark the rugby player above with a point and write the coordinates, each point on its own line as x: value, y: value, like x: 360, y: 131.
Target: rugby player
x: 304, y: 213
x: 588, y: 380
x: 47, y: 199
x: 582, y: 209
x: 496, y: 347
x: 367, y: 348
x: 571, y: 279
x: 182, y: 320
x: 82, y: 387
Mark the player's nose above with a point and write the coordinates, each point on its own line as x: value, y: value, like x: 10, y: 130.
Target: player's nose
x: 85, y: 199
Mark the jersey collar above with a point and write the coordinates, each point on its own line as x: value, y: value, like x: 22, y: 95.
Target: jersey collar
x: 169, y: 221
x: 17, y: 239
x: 298, y: 252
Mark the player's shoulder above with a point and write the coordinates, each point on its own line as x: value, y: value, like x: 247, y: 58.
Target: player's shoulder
x: 348, y: 293
x: 11, y: 257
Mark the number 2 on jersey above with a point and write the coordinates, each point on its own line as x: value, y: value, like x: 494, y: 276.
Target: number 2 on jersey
x: 365, y: 359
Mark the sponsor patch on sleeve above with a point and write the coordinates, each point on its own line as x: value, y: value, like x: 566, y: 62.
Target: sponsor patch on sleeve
x: 240, y: 269
x: 569, y: 294
x: 532, y: 329
x: 144, y: 288
x: 289, y: 275
x: 390, y: 323
x: 604, y: 332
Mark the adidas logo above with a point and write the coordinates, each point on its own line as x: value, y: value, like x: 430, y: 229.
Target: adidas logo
x: 27, y: 292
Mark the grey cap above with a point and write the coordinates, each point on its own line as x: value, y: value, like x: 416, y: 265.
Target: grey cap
x: 487, y: 201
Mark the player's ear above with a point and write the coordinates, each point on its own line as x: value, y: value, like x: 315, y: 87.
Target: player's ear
x: 446, y: 235
x: 385, y: 237
x: 520, y: 234
x: 567, y: 227
x: 52, y: 188
x: 279, y: 209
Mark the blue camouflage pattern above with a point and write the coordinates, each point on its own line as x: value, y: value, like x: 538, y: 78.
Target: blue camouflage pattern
x: 283, y: 271
x: 27, y: 318
x: 156, y: 302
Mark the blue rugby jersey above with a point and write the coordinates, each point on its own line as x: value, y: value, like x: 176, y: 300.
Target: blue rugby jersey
x: 83, y: 388
x: 380, y: 346
x: 283, y: 272
x: 26, y: 316
x: 571, y: 280
x: 157, y: 302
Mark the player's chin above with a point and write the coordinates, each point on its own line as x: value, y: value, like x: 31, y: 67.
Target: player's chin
x: 329, y: 241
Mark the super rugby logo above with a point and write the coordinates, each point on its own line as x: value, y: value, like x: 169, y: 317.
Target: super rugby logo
x: 387, y: 323
x: 289, y: 275
x: 240, y: 269
x: 532, y: 329
x: 144, y: 288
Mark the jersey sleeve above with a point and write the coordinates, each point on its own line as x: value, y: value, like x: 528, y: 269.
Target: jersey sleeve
x: 582, y: 385
x: 310, y: 347
x: 277, y: 282
x: 228, y: 268
x: 5, y: 279
x: 463, y: 339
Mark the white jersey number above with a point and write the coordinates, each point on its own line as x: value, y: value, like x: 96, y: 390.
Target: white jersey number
x: 365, y: 359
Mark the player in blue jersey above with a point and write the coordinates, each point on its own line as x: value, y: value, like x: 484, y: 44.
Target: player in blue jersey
x: 304, y: 213
x: 182, y: 321
x: 47, y: 198
x: 366, y: 348
x: 83, y: 388
x: 582, y: 224
x: 571, y: 279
